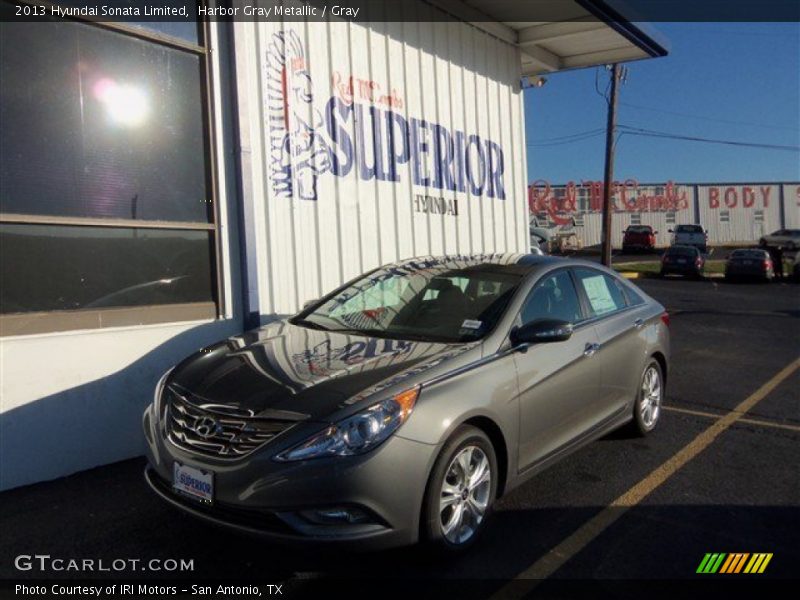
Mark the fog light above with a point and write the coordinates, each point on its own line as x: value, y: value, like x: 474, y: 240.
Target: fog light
x: 337, y: 515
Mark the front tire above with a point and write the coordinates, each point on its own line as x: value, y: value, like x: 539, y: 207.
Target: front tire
x: 461, y: 490
x: 650, y: 397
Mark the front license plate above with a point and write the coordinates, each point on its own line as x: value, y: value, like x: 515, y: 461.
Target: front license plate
x: 194, y: 483
x: 681, y: 261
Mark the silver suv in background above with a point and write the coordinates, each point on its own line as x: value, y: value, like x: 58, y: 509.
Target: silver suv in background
x: 690, y: 235
x: 400, y: 406
x: 788, y: 239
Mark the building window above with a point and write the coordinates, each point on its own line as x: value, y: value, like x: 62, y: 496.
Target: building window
x: 106, y: 198
x: 724, y: 216
x: 759, y: 216
x: 636, y: 219
x: 670, y: 218
x: 660, y: 190
x: 577, y: 220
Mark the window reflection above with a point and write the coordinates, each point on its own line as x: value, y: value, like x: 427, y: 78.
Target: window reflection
x: 45, y: 267
x: 95, y: 123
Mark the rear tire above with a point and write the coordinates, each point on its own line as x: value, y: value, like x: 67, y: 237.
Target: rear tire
x: 649, y: 399
x: 461, y: 490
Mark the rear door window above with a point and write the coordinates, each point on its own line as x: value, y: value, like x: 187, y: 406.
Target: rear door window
x: 603, y: 293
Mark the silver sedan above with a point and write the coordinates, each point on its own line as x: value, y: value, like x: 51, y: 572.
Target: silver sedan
x: 400, y: 406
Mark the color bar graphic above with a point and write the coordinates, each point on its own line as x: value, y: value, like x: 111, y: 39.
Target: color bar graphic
x: 734, y: 562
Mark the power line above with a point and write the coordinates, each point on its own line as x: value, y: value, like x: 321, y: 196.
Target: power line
x: 707, y: 118
x: 565, y: 139
x: 664, y: 134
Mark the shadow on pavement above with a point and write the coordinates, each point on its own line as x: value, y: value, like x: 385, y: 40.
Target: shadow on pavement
x: 109, y: 513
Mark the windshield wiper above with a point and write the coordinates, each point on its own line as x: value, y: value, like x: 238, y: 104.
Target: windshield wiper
x: 309, y: 324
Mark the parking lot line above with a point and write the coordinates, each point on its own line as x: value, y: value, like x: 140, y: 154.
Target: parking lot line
x: 548, y: 564
x: 748, y: 420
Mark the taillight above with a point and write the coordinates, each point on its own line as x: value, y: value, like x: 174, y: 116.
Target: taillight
x: 699, y: 262
x: 665, y: 318
x: 767, y: 264
x: 665, y: 259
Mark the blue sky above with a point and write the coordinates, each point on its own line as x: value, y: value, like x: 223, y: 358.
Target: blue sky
x: 738, y: 81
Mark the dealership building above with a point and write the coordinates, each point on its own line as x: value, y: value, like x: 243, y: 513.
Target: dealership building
x: 732, y: 214
x: 166, y: 185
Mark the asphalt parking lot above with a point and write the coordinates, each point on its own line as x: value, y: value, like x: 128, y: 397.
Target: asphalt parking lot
x: 619, y: 509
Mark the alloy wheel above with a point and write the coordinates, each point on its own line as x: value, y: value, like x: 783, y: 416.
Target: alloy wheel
x: 465, y: 493
x: 650, y: 405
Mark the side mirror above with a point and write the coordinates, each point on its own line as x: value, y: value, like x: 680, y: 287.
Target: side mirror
x: 670, y: 231
x: 655, y: 232
x: 310, y: 302
x: 542, y: 331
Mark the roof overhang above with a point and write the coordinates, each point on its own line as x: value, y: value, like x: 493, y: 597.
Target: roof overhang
x: 556, y: 35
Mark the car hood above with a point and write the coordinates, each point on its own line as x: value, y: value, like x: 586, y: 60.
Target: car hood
x: 284, y: 370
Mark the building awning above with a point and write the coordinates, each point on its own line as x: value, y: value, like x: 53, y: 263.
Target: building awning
x: 556, y: 35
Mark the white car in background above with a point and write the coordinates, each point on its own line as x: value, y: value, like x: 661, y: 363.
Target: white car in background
x: 541, y: 240
x: 690, y: 235
x: 788, y: 239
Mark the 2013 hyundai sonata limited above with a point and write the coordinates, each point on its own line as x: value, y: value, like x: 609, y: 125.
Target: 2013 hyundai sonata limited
x: 399, y: 407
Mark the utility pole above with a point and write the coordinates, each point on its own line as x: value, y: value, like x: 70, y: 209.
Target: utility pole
x: 608, y: 174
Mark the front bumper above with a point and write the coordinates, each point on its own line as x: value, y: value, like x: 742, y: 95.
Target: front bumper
x: 259, y: 496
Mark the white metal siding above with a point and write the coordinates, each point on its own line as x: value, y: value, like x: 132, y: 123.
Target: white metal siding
x: 791, y: 205
x: 639, y: 203
x: 729, y: 212
x: 447, y: 73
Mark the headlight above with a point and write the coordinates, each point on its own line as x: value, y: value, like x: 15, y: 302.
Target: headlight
x: 358, y: 433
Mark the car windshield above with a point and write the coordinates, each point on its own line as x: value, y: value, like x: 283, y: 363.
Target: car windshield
x: 430, y: 304
x: 682, y: 251
x: 688, y: 229
x: 640, y: 229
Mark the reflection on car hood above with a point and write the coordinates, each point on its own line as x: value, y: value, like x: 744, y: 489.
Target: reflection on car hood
x: 285, y: 367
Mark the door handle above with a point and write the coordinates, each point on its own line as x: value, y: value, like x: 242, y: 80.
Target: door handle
x: 638, y: 323
x: 590, y: 349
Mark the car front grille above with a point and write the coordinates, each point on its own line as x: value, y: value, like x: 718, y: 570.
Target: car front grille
x: 216, y: 429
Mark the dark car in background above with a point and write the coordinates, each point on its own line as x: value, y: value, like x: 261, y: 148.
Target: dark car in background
x: 639, y: 237
x: 401, y: 405
x: 683, y: 260
x: 751, y: 263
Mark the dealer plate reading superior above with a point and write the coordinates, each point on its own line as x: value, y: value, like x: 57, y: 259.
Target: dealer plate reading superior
x: 192, y: 482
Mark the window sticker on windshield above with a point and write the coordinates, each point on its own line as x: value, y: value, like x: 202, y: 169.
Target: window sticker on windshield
x: 471, y: 324
x: 599, y: 294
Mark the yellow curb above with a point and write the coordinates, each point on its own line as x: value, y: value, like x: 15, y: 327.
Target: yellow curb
x: 630, y: 274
